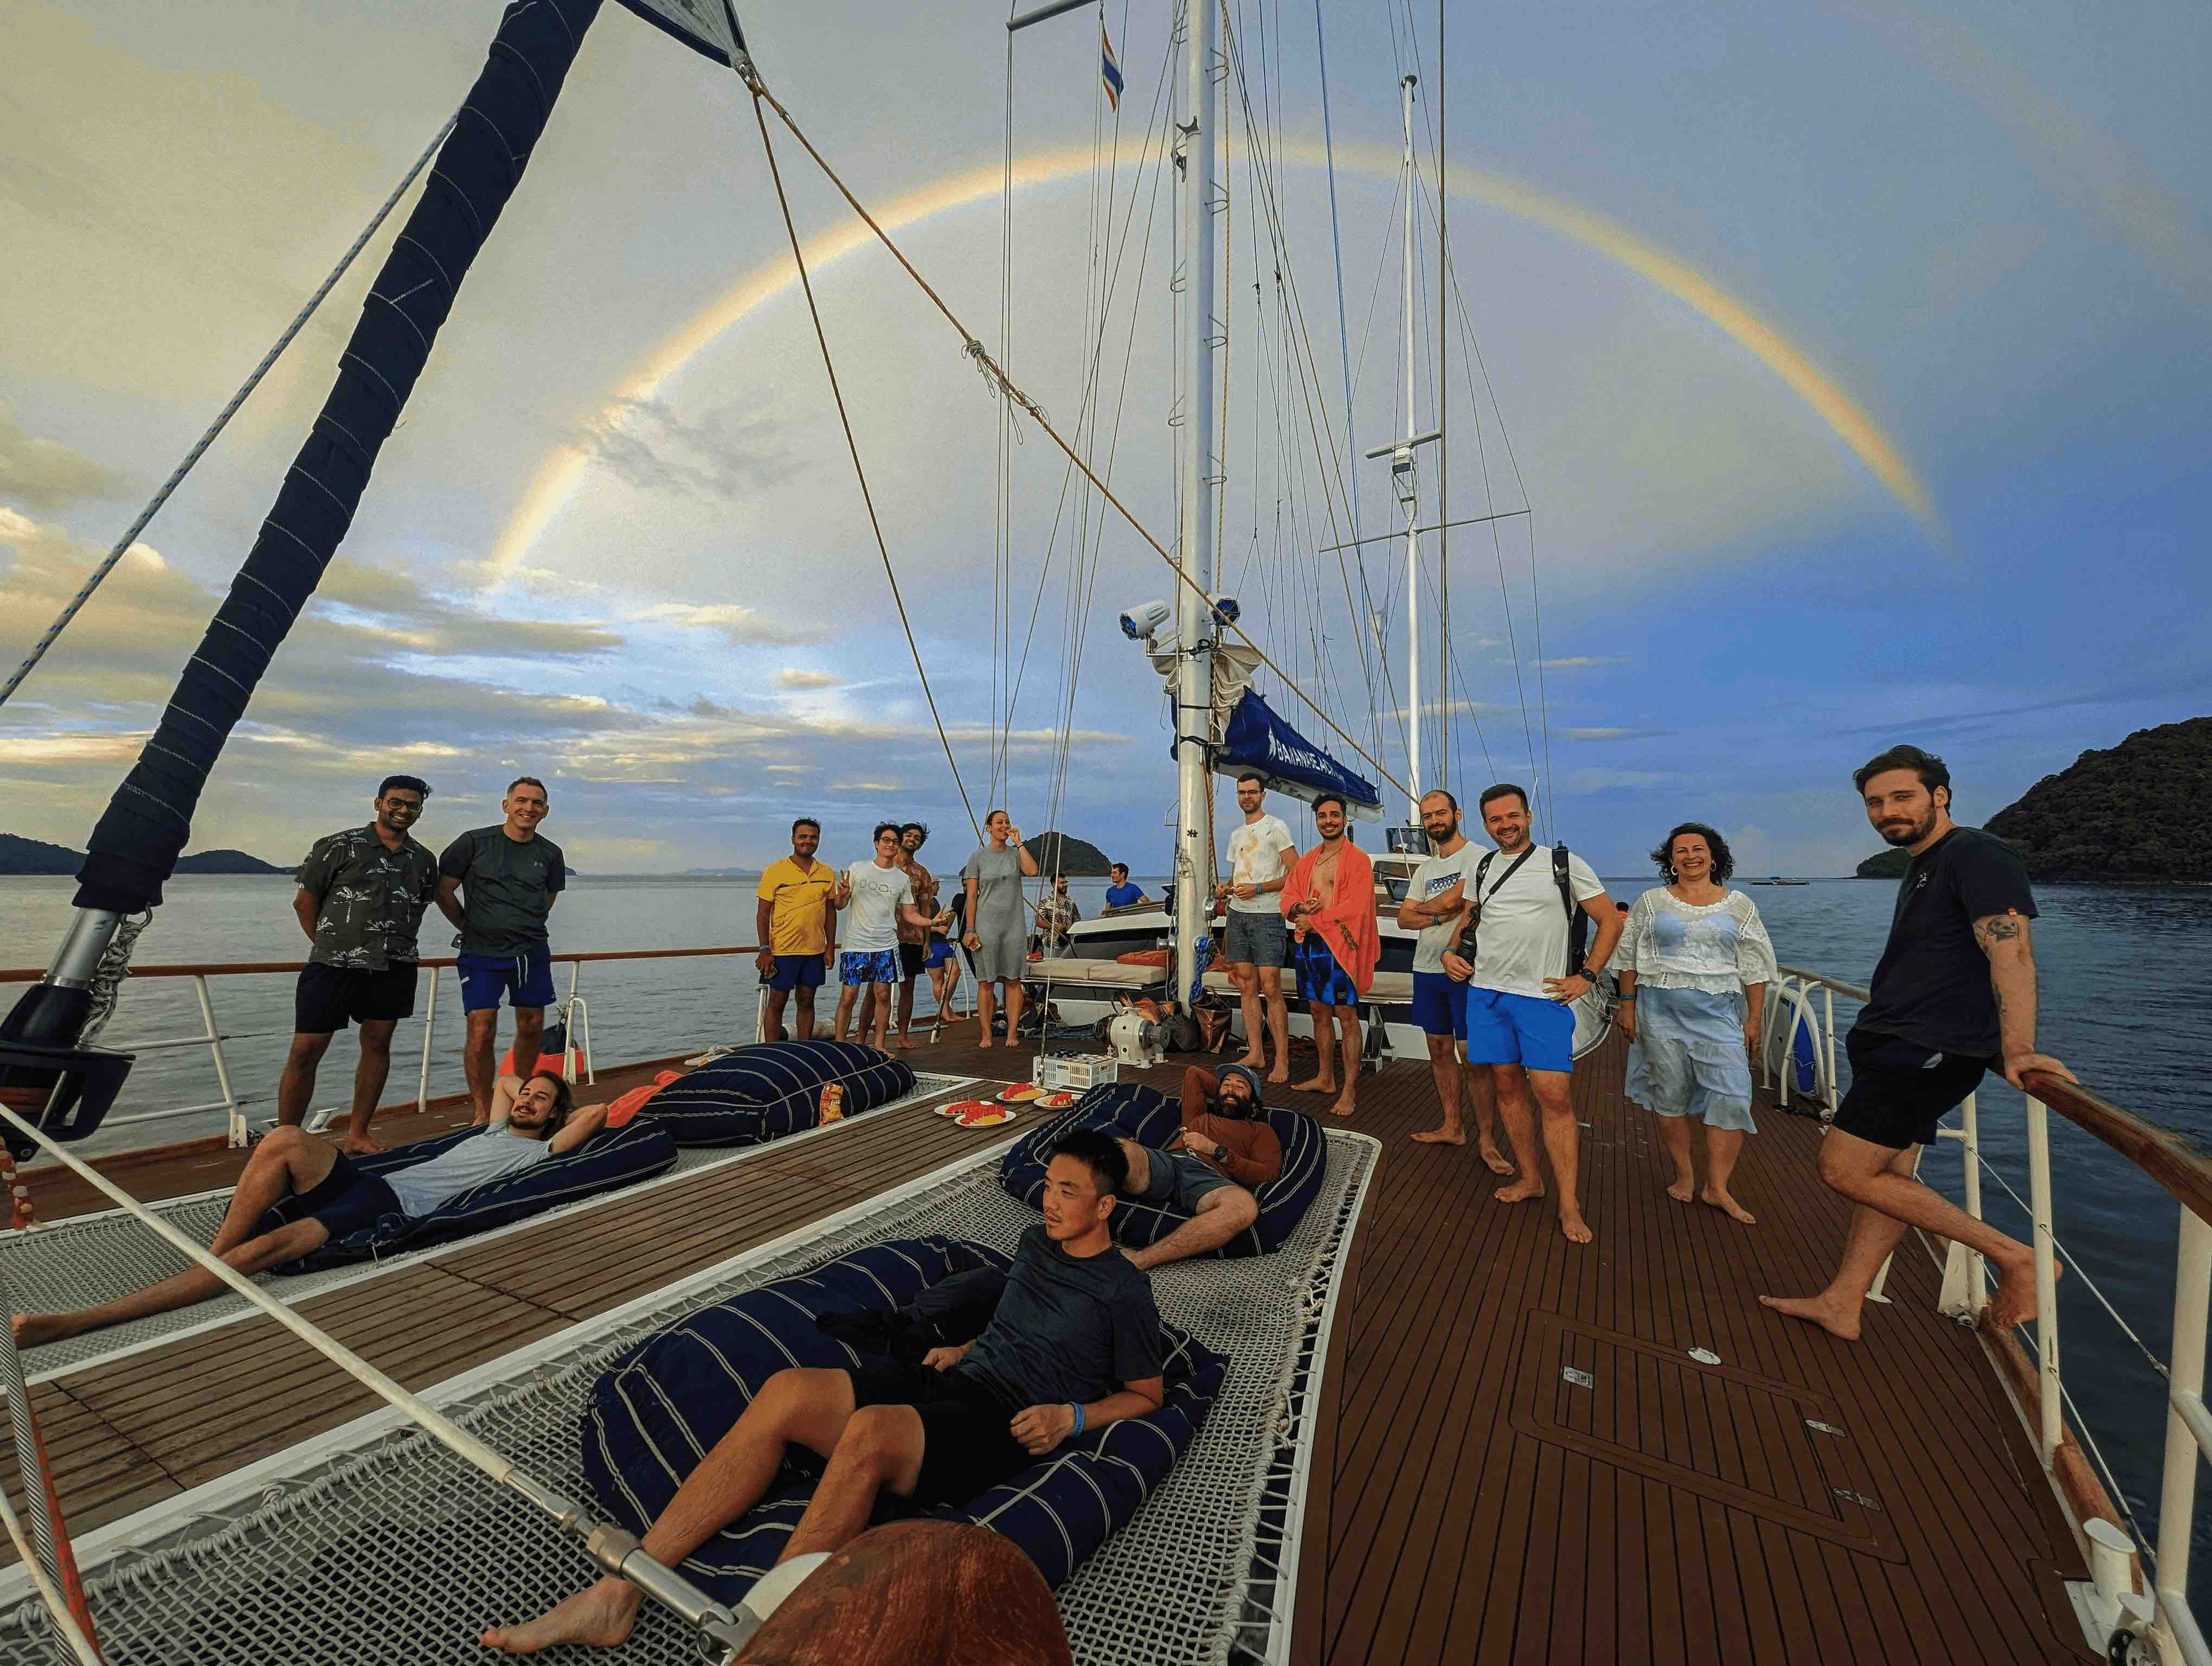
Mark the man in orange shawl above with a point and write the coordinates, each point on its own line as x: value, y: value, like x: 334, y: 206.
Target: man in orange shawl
x: 1329, y: 902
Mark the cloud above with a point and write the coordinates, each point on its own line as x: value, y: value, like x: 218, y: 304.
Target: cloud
x: 1579, y: 661
x: 730, y: 454
x: 790, y: 678
x: 46, y: 474
x: 740, y: 626
x: 1608, y: 731
x: 405, y: 615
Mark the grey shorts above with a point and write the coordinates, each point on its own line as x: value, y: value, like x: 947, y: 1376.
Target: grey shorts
x: 1254, y: 939
x: 1177, y: 1180
x: 1003, y: 956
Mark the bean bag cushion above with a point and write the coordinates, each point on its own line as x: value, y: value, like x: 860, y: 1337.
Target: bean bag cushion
x: 1130, y: 1110
x: 661, y: 1407
x: 774, y: 1088
x: 616, y: 1157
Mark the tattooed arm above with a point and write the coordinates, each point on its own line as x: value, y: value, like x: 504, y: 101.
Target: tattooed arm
x: 2004, y: 939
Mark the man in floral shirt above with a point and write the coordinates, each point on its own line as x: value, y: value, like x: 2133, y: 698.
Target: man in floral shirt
x: 362, y: 896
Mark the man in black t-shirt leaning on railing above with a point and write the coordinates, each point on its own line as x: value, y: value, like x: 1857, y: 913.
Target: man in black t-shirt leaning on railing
x: 1953, y: 996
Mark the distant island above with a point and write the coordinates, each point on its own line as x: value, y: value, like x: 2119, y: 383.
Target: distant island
x: 19, y: 855
x: 1064, y: 854
x: 2140, y: 811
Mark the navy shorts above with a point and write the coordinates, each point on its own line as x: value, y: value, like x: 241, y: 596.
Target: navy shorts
x: 939, y: 952
x: 1179, y: 1180
x: 330, y: 997
x: 1530, y: 1030
x: 1900, y: 1089
x: 796, y: 971
x: 345, y: 1199
x: 968, y: 1445
x: 910, y: 960
x: 1320, y: 978
x: 524, y: 977
x: 1440, y: 1005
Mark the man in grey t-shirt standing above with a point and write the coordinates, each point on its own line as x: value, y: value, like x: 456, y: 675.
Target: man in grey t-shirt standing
x: 498, y: 885
x: 998, y: 923
x: 1261, y: 853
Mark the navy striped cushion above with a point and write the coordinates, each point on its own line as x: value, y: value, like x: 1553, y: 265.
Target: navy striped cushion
x: 616, y: 1157
x: 659, y: 1410
x: 1132, y: 1111
x: 766, y: 1091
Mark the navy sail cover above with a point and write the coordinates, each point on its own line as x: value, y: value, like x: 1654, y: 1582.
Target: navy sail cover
x: 1257, y: 739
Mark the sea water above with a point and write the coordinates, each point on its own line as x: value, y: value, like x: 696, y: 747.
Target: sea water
x: 2118, y: 1005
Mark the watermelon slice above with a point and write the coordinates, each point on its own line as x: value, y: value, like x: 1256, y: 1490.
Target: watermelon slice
x: 1021, y: 1093
x: 1060, y: 1101
x: 982, y: 1114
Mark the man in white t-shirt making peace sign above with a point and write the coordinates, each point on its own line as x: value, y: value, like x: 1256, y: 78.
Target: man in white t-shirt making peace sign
x: 1521, y: 992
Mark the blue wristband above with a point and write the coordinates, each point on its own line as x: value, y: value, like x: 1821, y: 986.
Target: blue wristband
x: 1076, y: 1408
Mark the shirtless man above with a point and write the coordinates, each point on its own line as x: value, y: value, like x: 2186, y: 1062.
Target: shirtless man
x: 331, y: 1197
x: 1329, y: 901
x: 913, y: 941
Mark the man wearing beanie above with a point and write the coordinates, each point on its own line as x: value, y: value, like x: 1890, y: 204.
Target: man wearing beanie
x: 1224, y: 1150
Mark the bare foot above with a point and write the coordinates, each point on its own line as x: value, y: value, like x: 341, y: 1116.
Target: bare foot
x: 1348, y: 1105
x: 1519, y: 1191
x: 1822, y: 1310
x: 985, y: 1042
x: 1721, y: 1201
x: 598, y: 1616
x: 1315, y: 1084
x: 905, y: 1042
x: 1254, y: 1061
x: 1576, y: 1229
x: 34, y: 1329
x: 2015, y: 1302
x: 1451, y: 1134
x: 1279, y: 1075
x: 1684, y: 1189
x: 1498, y: 1161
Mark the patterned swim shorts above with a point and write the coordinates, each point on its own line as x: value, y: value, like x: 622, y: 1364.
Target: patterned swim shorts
x: 879, y: 966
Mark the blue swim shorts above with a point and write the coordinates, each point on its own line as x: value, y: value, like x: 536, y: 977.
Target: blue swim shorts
x: 939, y: 952
x: 796, y: 971
x: 1320, y: 978
x: 1524, y: 1030
x: 878, y: 966
x: 525, y: 978
x: 1440, y: 1005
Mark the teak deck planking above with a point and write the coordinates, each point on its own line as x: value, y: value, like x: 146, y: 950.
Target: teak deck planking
x: 1465, y: 1502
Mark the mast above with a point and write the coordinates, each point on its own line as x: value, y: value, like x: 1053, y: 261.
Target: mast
x: 1194, y: 627
x: 1408, y: 496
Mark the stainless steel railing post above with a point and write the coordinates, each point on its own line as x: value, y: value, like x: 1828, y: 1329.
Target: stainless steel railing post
x: 1828, y: 1010
x: 2050, y: 1397
x: 429, y: 1029
x: 1970, y: 1141
x: 232, y: 1109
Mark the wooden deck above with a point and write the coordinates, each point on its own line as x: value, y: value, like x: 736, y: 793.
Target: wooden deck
x: 1467, y: 1502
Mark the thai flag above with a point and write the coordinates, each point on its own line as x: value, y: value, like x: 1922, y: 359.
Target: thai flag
x: 1109, y: 70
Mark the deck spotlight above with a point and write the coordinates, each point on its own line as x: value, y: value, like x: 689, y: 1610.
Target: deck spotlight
x: 1141, y: 624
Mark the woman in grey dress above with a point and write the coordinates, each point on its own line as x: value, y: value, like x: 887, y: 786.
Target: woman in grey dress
x: 997, y: 922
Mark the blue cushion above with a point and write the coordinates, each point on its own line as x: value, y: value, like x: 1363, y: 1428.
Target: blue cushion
x: 615, y: 1157
x: 661, y: 1407
x: 1130, y: 1110
x: 766, y: 1091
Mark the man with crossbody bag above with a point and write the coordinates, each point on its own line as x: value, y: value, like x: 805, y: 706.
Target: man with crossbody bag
x: 1522, y: 960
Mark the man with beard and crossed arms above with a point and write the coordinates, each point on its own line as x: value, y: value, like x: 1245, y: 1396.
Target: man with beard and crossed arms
x: 1436, y: 907
x: 1520, y: 993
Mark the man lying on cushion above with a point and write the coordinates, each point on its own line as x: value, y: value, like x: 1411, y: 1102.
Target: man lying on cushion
x: 1223, y: 1152
x: 332, y: 1197
x: 1074, y: 1345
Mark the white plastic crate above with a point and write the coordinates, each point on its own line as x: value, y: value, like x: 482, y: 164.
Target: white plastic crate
x: 1075, y: 1074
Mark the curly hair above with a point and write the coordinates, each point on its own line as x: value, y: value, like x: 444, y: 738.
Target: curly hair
x: 1723, y: 858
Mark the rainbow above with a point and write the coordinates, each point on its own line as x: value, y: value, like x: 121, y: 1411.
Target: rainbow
x: 558, y: 477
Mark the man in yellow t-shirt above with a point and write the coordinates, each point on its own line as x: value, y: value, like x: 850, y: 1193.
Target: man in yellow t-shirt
x: 793, y: 921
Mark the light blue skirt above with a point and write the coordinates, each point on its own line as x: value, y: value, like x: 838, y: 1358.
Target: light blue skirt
x: 1688, y: 1058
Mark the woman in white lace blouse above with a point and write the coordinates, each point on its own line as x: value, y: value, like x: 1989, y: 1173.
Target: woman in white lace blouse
x: 1694, y: 965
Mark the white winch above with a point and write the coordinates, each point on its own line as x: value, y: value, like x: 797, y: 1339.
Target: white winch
x: 1135, y: 1039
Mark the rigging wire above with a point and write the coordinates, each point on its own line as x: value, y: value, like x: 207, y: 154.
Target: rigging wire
x: 852, y: 445
x: 145, y: 516
x: 997, y: 377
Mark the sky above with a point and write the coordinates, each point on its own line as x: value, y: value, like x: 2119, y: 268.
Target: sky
x: 1840, y: 371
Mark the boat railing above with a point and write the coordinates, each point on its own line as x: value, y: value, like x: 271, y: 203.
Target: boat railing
x: 213, y: 1036
x: 2153, y: 1606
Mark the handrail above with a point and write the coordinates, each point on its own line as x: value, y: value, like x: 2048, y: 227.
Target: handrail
x: 1824, y: 981
x: 224, y: 968
x: 2164, y: 1155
